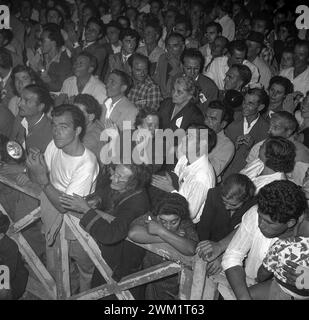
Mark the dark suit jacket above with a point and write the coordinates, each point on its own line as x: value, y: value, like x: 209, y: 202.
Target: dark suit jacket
x: 6, y: 121
x: 208, y: 89
x: 115, y: 62
x: 216, y: 222
x: 259, y: 132
x: 59, y: 71
x: 9, y: 93
x: 190, y: 113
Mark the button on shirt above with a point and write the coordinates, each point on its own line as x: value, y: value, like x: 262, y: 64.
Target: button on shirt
x: 248, y: 241
x: 194, y: 182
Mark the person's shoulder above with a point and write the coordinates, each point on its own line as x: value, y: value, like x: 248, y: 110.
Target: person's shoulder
x: 286, y: 71
x: 69, y: 80
x: 127, y: 104
x: 251, y: 216
x: 220, y: 60
x: 51, y: 149
x: 263, y: 122
x: 204, y: 80
x: 302, y: 152
x: 139, y: 199
x: 235, y: 124
x: 97, y: 81
x: 9, y: 244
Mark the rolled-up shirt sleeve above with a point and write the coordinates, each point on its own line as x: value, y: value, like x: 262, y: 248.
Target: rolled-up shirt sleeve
x: 241, y: 243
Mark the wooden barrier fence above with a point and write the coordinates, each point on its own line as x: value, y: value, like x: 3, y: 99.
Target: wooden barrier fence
x: 192, y: 270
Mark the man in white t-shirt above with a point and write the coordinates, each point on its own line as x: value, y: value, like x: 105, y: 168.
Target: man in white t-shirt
x: 68, y: 168
x: 83, y: 81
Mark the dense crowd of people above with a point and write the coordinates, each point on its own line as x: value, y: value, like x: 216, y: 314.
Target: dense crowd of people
x: 72, y: 72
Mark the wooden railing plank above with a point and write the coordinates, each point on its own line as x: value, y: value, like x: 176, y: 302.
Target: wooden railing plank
x: 92, y: 249
x: 136, y: 279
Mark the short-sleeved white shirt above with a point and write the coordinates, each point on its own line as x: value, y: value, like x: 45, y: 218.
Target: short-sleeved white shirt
x: 71, y: 174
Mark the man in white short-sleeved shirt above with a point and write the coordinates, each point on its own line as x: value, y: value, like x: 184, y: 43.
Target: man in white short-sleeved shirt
x: 69, y: 168
x: 83, y: 80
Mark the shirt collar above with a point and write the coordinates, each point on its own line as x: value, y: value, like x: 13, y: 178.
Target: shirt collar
x: 200, y: 162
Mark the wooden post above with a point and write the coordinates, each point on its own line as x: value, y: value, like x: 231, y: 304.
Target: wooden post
x: 199, y: 276
x: 185, y: 285
x: 92, y: 249
x: 36, y: 265
x: 65, y: 264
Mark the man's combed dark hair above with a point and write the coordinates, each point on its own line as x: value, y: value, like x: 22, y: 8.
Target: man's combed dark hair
x: 172, y: 203
x: 54, y: 33
x: 99, y: 23
x: 91, y: 104
x: 214, y: 24
x: 125, y: 79
x: 245, y: 73
x: 43, y: 96
x: 280, y: 154
x: 282, y: 201
x: 261, y: 94
x: 284, y: 82
x: 193, y: 53
x: 239, y: 45
x: 33, y: 76
x: 129, y: 33
x: 77, y: 116
x: 243, y: 190
x: 226, y: 112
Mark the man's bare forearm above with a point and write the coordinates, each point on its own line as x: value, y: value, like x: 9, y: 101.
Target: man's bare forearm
x: 236, y: 277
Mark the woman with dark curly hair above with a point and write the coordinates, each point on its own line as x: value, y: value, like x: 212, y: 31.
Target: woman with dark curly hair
x: 169, y: 223
x: 129, y: 201
x: 21, y: 77
x: 276, y: 159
